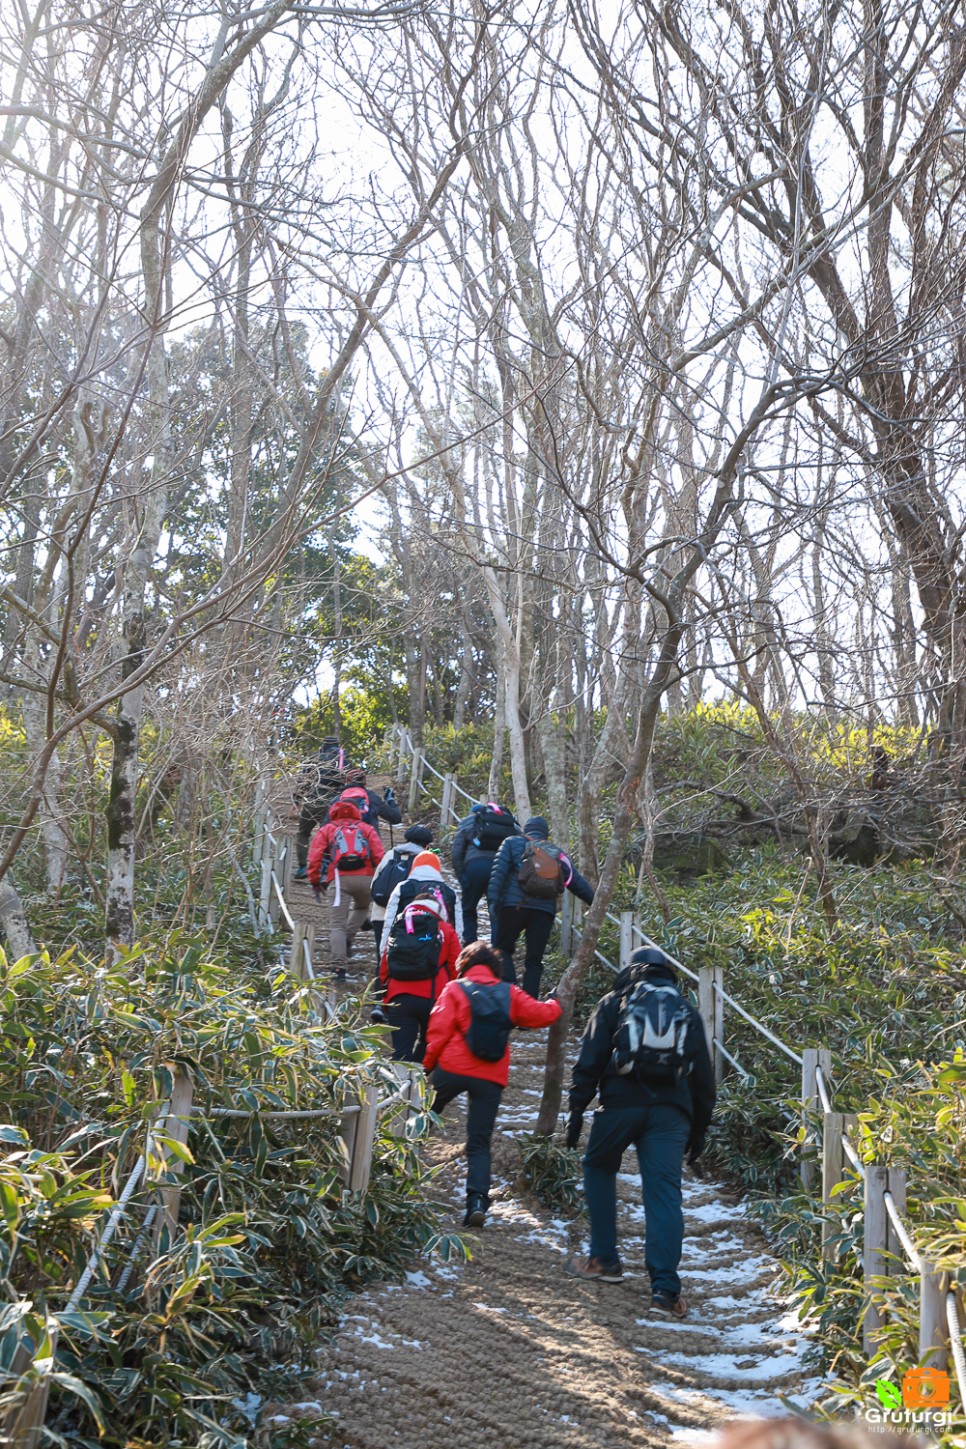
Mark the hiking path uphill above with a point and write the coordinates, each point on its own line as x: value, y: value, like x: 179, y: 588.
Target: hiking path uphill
x: 509, y: 1350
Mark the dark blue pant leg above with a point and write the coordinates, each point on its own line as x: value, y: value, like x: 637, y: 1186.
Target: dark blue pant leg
x: 473, y: 884
x: 537, y: 930
x: 612, y: 1131
x: 660, y: 1153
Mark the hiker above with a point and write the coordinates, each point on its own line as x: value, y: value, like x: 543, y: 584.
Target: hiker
x: 475, y: 844
x: 528, y: 876
x: 426, y: 874
x: 346, y: 851
x: 371, y: 806
x: 318, y: 784
x: 393, y: 870
x: 645, y: 1053
x: 467, y: 1050
x: 419, y: 959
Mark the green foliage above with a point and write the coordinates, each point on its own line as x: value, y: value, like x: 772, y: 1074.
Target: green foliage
x: 551, y: 1172
x: 267, y: 1241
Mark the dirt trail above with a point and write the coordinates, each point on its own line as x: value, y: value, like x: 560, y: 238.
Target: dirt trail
x: 508, y: 1350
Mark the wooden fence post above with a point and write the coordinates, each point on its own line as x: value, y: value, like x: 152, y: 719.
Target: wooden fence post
x: 177, y: 1126
x: 933, y: 1328
x: 360, y: 1167
x: 626, y: 938
x: 446, y: 805
x: 706, y: 1006
x: 265, y: 882
x: 880, y: 1243
x: 834, y: 1126
x: 717, y: 1018
x: 23, y: 1426
x: 812, y: 1058
x: 296, y: 959
x: 408, y: 1079
x: 414, y: 781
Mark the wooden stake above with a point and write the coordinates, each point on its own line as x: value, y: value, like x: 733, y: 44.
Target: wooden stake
x: 360, y: 1167
x: 834, y: 1125
x: 812, y: 1058
x: 177, y: 1126
x: 626, y: 938
x: 933, y: 1328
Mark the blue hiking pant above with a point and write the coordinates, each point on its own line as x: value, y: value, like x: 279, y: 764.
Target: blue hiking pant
x: 473, y: 884
x: 659, y: 1134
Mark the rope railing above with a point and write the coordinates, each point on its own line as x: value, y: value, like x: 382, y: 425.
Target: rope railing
x: 823, y: 1093
x: 902, y: 1233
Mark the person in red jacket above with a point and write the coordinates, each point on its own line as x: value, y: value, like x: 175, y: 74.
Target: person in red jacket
x: 409, y: 996
x: 468, y: 1050
x: 345, y: 851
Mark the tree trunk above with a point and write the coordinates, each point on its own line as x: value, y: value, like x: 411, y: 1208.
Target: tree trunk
x: 13, y: 921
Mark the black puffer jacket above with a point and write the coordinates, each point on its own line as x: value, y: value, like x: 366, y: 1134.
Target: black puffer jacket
x: 594, y: 1070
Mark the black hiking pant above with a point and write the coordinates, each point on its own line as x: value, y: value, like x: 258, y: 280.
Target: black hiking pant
x: 535, y: 925
x: 409, y: 1017
x: 484, y: 1101
x: 311, y: 815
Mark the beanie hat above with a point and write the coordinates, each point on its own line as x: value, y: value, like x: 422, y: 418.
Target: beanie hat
x: 426, y: 857
x: 330, y: 743
x: 536, y: 825
x: 653, y: 956
x: 419, y: 835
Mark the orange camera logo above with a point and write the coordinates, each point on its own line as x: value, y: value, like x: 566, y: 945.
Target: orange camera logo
x: 925, y: 1388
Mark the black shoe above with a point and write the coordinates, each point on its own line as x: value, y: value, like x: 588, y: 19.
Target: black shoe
x: 340, y: 974
x: 475, y: 1212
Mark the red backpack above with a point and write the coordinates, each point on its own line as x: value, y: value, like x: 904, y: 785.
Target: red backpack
x: 350, y: 848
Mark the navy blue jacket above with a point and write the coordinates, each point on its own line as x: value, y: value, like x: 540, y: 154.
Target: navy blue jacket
x: 504, y: 889
x: 594, y: 1071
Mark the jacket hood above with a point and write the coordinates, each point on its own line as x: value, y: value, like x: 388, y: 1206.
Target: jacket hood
x: 344, y: 810
x: 660, y: 975
x: 538, y: 827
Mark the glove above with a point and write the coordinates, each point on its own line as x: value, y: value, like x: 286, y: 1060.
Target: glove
x: 695, y: 1147
x: 390, y: 796
x: 379, y: 1017
x: 575, y: 1125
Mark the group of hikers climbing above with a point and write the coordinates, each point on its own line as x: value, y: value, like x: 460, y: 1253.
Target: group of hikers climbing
x: 451, y: 1001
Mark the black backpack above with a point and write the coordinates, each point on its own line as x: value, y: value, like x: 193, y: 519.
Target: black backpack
x: 492, y: 828
x: 383, y: 885
x: 541, y: 872
x: 413, y: 951
x: 653, y: 1040
x: 490, y: 1022
x: 439, y: 889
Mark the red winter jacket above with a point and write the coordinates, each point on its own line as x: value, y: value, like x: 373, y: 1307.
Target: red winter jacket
x: 322, y: 841
x: 449, y: 949
x: 449, y: 1022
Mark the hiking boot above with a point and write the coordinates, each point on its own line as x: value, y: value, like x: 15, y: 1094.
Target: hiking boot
x: 595, y: 1271
x: 340, y: 974
x: 302, y: 873
x: 475, y: 1212
x: 668, y: 1306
